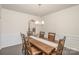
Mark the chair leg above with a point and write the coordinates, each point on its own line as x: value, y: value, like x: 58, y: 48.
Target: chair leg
x: 22, y: 50
x: 25, y: 51
x: 43, y: 53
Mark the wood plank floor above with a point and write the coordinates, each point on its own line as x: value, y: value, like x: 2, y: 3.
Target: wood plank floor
x: 16, y: 50
x: 12, y: 50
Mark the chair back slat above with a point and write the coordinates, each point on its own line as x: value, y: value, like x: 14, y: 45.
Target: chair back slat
x: 51, y: 36
x: 41, y: 35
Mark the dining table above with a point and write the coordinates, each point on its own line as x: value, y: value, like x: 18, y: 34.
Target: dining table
x: 45, y: 46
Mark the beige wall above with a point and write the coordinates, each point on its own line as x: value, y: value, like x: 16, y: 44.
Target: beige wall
x: 12, y: 24
x: 64, y: 22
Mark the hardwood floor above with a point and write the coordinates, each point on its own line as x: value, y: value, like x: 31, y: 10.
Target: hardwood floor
x: 12, y: 50
x: 16, y: 50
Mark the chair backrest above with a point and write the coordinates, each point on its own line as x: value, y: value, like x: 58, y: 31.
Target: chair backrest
x: 41, y: 34
x: 24, y: 42
x: 60, y: 46
x: 51, y: 36
x: 29, y: 33
x: 23, y: 39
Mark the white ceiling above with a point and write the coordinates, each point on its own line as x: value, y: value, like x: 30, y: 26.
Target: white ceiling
x: 41, y: 10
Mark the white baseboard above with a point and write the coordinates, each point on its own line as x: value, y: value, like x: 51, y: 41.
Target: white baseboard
x: 75, y: 49
x: 72, y: 48
x: 10, y: 45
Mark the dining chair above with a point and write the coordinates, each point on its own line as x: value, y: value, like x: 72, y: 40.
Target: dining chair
x: 32, y: 50
x: 51, y: 36
x: 23, y: 43
x: 29, y: 33
x: 41, y: 34
x: 60, y: 47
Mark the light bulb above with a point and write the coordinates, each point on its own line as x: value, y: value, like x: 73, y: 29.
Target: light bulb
x: 42, y: 22
x: 36, y: 22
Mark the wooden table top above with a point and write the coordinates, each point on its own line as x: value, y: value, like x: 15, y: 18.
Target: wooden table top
x: 50, y: 43
x: 43, y: 47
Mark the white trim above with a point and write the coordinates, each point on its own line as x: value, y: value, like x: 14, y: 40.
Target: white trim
x: 72, y: 48
x: 10, y: 45
x: 75, y: 49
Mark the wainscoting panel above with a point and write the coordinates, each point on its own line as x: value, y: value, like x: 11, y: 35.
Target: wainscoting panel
x: 10, y: 39
x: 72, y: 42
